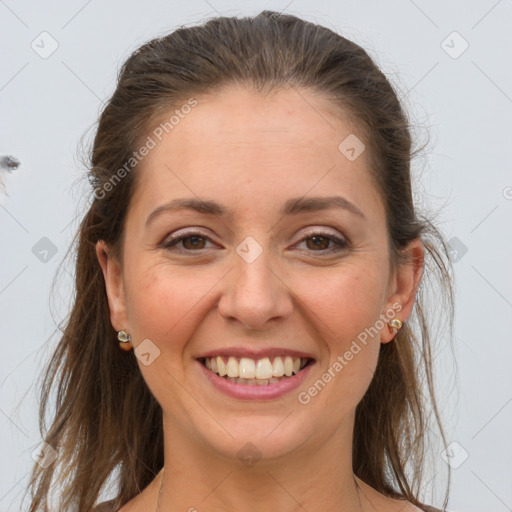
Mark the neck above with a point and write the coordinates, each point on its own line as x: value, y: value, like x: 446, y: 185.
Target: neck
x: 319, y: 478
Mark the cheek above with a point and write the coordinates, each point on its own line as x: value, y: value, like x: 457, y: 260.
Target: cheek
x: 164, y: 305
x: 345, y: 306
x: 345, y: 301
x: 167, y: 304
x: 161, y: 302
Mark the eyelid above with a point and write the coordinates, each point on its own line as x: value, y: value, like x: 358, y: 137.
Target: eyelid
x: 341, y: 241
x: 177, y: 236
x: 311, y: 231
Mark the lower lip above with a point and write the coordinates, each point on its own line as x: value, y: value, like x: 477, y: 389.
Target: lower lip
x: 256, y: 391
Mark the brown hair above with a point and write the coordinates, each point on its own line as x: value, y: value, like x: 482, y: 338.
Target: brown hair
x: 106, y: 418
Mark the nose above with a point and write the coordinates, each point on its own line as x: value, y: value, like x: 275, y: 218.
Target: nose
x: 255, y: 294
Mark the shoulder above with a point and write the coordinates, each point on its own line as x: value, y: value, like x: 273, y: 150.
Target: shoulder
x: 427, y: 508
x: 409, y: 507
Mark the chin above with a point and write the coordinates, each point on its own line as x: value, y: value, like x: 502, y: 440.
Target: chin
x: 257, y: 438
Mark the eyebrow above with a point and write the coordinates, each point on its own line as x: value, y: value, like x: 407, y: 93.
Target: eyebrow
x: 293, y: 206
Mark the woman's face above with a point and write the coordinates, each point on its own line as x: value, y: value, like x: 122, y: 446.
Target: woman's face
x: 266, y: 269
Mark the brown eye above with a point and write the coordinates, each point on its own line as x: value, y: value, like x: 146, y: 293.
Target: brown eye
x: 193, y: 242
x: 318, y: 242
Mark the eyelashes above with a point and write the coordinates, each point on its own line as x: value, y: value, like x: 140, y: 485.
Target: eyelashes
x: 196, y: 242
x: 340, y: 244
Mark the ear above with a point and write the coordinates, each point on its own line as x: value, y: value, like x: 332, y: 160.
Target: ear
x: 403, y: 287
x: 114, y: 286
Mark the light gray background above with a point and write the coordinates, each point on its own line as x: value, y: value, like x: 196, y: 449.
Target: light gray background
x: 463, y: 104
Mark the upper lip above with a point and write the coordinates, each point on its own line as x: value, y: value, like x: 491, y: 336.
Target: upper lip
x: 255, y: 354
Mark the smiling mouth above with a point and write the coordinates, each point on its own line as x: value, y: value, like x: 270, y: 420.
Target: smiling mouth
x: 264, y: 371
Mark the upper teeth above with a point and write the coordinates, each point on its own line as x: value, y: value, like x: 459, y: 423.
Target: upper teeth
x: 255, y: 368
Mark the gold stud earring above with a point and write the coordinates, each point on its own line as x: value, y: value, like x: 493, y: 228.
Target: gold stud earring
x: 124, y: 340
x: 395, y: 324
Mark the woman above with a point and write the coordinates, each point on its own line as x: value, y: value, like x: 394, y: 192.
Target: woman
x: 253, y: 245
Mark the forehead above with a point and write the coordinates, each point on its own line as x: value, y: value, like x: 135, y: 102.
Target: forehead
x: 239, y: 115
x: 237, y: 141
